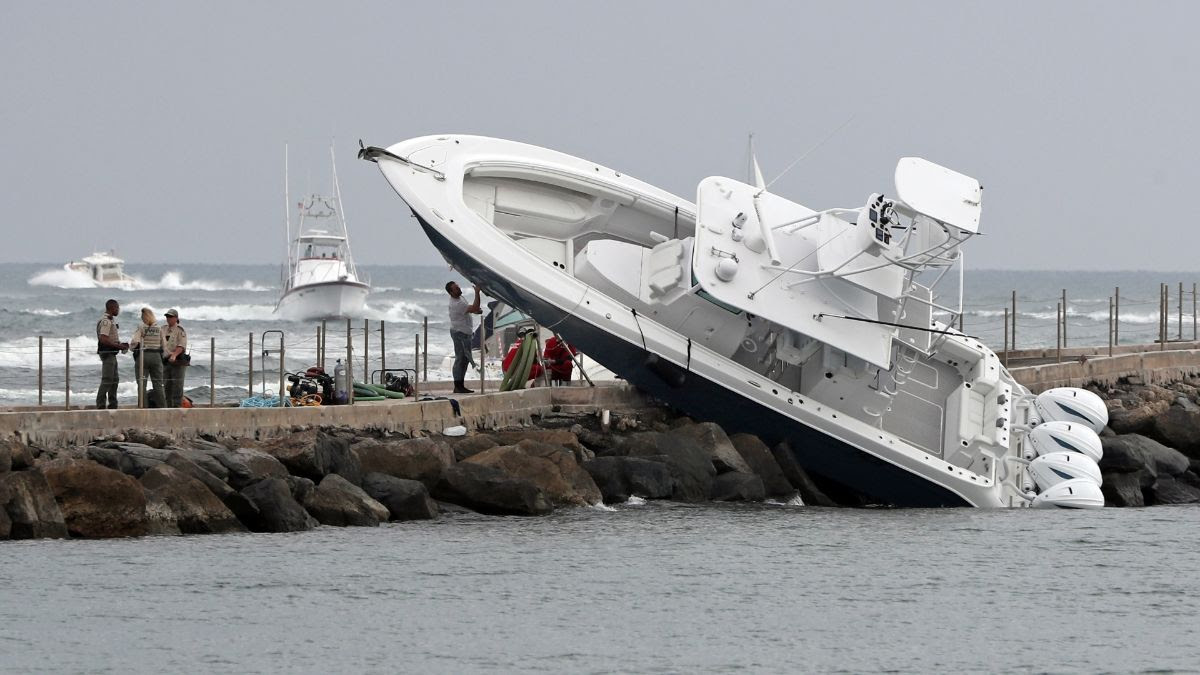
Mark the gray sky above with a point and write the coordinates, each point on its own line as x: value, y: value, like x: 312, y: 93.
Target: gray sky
x: 158, y: 128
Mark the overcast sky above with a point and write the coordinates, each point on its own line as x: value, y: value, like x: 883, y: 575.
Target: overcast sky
x: 158, y: 128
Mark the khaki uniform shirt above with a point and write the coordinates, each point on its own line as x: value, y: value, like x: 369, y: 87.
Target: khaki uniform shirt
x: 150, y: 337
x: 107, y: 326
x: 175, y: 336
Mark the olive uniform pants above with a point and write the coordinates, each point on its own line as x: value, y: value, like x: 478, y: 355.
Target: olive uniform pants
x: 174, y: 373
x: 106, y: 396
x: 155, y: 398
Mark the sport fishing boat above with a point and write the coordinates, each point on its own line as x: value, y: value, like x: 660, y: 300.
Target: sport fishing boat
x: 105, y: 270
x: 320, y: 280
x: 822, y: 329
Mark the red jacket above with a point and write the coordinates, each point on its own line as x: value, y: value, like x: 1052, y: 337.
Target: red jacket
x: 558, y: 358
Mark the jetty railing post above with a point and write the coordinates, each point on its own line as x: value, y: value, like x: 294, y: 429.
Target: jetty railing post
x: 349, y: 365
x: 212, y: 372
x: 366, y: 350
x: 1117, y: 315
x: 1058, y: 333
x: 1181, y: 311
x: 317, y: 349
x: 1193, y: 311
x: 382, y: 352
x: 425, y: 357
x: 417, y: 363
x: 282, y: 367
x: 141, y: 375
x: 1005, y: 339
x: 1013, y: 345
x: 324, y: 337
x: 1162, y: 316
x: 250, y: 384
x: 67, y: 386
x: 1110, y: 326
x: 1064, y: 317
x: 41, y: 380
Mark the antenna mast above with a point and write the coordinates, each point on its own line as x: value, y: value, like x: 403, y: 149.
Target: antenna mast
x: 287, y: 207
x: 337, y: 195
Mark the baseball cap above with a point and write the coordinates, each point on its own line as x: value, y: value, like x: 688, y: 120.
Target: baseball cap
x: 173, y: 312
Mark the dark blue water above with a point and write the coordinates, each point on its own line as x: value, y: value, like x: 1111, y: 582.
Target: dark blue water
x: 650, y: 588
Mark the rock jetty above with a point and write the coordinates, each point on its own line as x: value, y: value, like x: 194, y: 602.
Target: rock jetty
x: 148, y: 483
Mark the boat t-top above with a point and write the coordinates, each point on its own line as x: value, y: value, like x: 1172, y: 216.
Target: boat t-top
x: 104, y: 269
x: 824, y: 332
x: 321, y: 281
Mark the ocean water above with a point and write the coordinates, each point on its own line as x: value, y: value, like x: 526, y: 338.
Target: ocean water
x: 228, y: 303
x: 655, y: 587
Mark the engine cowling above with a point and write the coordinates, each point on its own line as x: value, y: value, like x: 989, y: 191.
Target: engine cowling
x: 1061, y: 436
x: 1069, y: 404
x: 1079, y: 493
x: 1051, y: 469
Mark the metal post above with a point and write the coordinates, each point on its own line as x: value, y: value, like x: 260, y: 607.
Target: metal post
x: 40, y: 378
x: 424, y: 357
x: 1110, y: 326
x: 1005, y: 338
x: 1193, y: 311
x: 416, y: 362
x: 1162, y: 316
x: 349, y: 365
x: 212, y: 372
x: 324, y: 337
x: 1064, y: 317
x: 317, y: 349
x: 282, y: 354
x: 366, y: 350
x: 141, y: 374
x: 382, y: 351
x: 250, y: 386
x: 1013, y: 345
x: 1058, y: 333
x: 1181, y: 311
x: 67, y: 386
x: 1117, y: 315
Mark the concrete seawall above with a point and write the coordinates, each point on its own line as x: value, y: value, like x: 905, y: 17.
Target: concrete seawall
x: 1151, y: 367
x: 485, y: 411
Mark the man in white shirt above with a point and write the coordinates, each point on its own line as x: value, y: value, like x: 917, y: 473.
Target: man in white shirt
x: 461, y: 331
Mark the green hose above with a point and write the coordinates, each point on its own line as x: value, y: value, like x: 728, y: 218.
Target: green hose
x: 376, y: 390
x: 522, y: 364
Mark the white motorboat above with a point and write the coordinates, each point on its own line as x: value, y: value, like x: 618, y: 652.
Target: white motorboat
x: 321, y: 280
x: 823, y: 330
x: 104, y: 269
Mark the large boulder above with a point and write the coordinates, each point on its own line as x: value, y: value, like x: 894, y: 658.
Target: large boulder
x: 620, y: 478
x: 405, y: 499
x: 27, y: 507
x: 690, y: 462
x: 150, y: 437
x: 247, y: 465
x: 471, y: 445
x: 1130, y: 454
x: 1178, y: 428
x: 236, y: 502
x: 559, y: 437
x: 550, y: 467
x: 133, y: 459
x: 337, y: 501
x: 810, y: 493
x: 758, y: 456
x: 735, y: 486
x: 1168, y: 490
x: 1136, y: 416
x: 1122, y: 489
x: 487, y: 489
x: 315, y: 454
x: 422, y: 459
x: 204, y: 454
x: 278, y: 511
x: 194, y: 509
x: 96, y: 501
x: 712, y: 439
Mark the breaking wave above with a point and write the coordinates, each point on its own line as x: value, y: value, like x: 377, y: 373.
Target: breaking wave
x: 170, y: 281
x: 62, y: 278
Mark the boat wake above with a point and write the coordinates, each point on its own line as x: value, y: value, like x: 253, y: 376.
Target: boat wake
x: 62, y: 278
x: 170, y: 281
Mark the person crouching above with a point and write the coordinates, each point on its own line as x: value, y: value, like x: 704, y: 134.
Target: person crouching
x: 147, y: 346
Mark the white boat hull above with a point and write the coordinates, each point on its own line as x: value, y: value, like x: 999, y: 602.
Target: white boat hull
x: 330, y: 300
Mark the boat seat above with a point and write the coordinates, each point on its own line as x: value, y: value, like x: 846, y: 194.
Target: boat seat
x: 667, y: 271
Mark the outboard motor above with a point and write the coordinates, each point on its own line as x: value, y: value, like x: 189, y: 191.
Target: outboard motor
x: 1053, y: 468
x: 1069, y: 436
x: 1079, y: 493
x: 1069, y: 404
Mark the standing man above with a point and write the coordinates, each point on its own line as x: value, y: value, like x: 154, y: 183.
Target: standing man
x: 460, y: 332
x: 147, y: 342
x: 107, y: 346
x: 175, y: 358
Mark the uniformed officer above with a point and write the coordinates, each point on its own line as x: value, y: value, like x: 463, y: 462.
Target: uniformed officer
x: 176, y: 361
x: 108, y: 344
x: 147, y: 346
